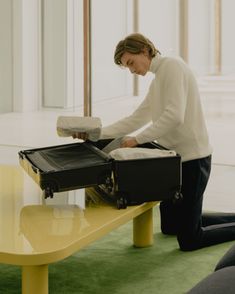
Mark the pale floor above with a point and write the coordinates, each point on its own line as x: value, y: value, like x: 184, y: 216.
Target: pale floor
x: 22, y: 131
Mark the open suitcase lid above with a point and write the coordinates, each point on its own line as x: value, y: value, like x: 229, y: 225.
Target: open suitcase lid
x: 63, y: 157
x: 66, y: 167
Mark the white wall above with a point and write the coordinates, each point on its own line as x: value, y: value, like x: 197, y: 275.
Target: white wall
x: 6, y: 74
x: 26, y: 55
x: 109, y: 25
x: 200, y: 38
x: 20, y: 47
x: 76, y: 42
x: 62, y: 53
x: 31, y: 51
x: 54, y: 53
x: 228, y: 39
x: 158, y: 22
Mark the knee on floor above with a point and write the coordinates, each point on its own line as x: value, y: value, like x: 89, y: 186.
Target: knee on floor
x: 188, y: 243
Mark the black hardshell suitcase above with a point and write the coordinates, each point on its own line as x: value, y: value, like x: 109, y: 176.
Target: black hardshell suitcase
x: 127, y: 182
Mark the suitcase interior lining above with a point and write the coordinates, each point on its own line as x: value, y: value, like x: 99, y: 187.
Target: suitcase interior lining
x: 63, y: 158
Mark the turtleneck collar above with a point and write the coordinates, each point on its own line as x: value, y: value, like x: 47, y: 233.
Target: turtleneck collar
x: 155, y: 63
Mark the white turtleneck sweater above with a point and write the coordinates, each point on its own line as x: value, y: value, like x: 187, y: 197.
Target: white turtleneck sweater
x: 173, y: 108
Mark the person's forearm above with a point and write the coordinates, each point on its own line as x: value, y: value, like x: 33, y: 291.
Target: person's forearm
x: 121, y: 128
x: 140, y: 117
x: 167, y: 122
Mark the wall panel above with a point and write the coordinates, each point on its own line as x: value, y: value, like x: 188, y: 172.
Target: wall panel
x: 200, y: 37
x: 109, y: 25
x: 158, y: 22
x: 6, y: 74
x: 228, y: 40
x: 54, y: 53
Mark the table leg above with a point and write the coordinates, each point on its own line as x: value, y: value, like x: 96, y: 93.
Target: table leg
x: 143, y: 229
x: 35, y: 279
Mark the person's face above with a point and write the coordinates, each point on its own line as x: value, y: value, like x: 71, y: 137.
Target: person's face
x: 137, y: 63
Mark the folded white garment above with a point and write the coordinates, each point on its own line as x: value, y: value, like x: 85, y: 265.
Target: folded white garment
x: 68, y: 125
x: 114, y: 144
x: 137, y: 152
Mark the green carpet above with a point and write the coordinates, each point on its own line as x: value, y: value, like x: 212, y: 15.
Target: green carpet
x: 112, y: 265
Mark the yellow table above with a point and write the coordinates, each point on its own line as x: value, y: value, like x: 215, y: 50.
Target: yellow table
x: 34, y: 235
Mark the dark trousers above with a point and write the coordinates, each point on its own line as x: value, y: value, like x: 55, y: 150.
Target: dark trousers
x: 195, y: 230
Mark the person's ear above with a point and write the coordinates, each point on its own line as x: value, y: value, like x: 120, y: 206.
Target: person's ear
x: 145, y: 52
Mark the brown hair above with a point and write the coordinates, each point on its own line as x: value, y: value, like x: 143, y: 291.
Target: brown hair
x: 135, y: 44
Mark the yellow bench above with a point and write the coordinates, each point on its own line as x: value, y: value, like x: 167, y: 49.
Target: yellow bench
x: 44, y: 234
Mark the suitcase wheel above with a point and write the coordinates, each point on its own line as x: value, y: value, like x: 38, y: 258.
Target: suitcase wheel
x: 109, y: 184
x: 48, y: 193
x: 121, y: 203
x: 178, y: 197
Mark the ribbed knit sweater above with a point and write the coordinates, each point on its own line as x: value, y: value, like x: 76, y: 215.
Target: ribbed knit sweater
x: 173, y: 108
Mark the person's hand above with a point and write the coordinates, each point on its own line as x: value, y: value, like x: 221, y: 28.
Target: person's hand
x: 129, y: 142
x: 83, y: 136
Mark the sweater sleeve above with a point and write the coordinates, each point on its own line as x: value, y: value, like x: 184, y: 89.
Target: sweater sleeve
x: 174, y: 93
x: 140, y: 117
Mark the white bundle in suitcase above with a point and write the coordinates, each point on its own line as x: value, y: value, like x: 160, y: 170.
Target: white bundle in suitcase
x: 138, y: 152
x: 69, y: 125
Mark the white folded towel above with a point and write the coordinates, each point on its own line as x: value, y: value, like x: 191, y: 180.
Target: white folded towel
x: 68, y: 125
x: 137, y: 152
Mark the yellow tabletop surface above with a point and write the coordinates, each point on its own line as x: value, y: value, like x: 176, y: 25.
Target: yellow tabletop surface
x: 32, y: 233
